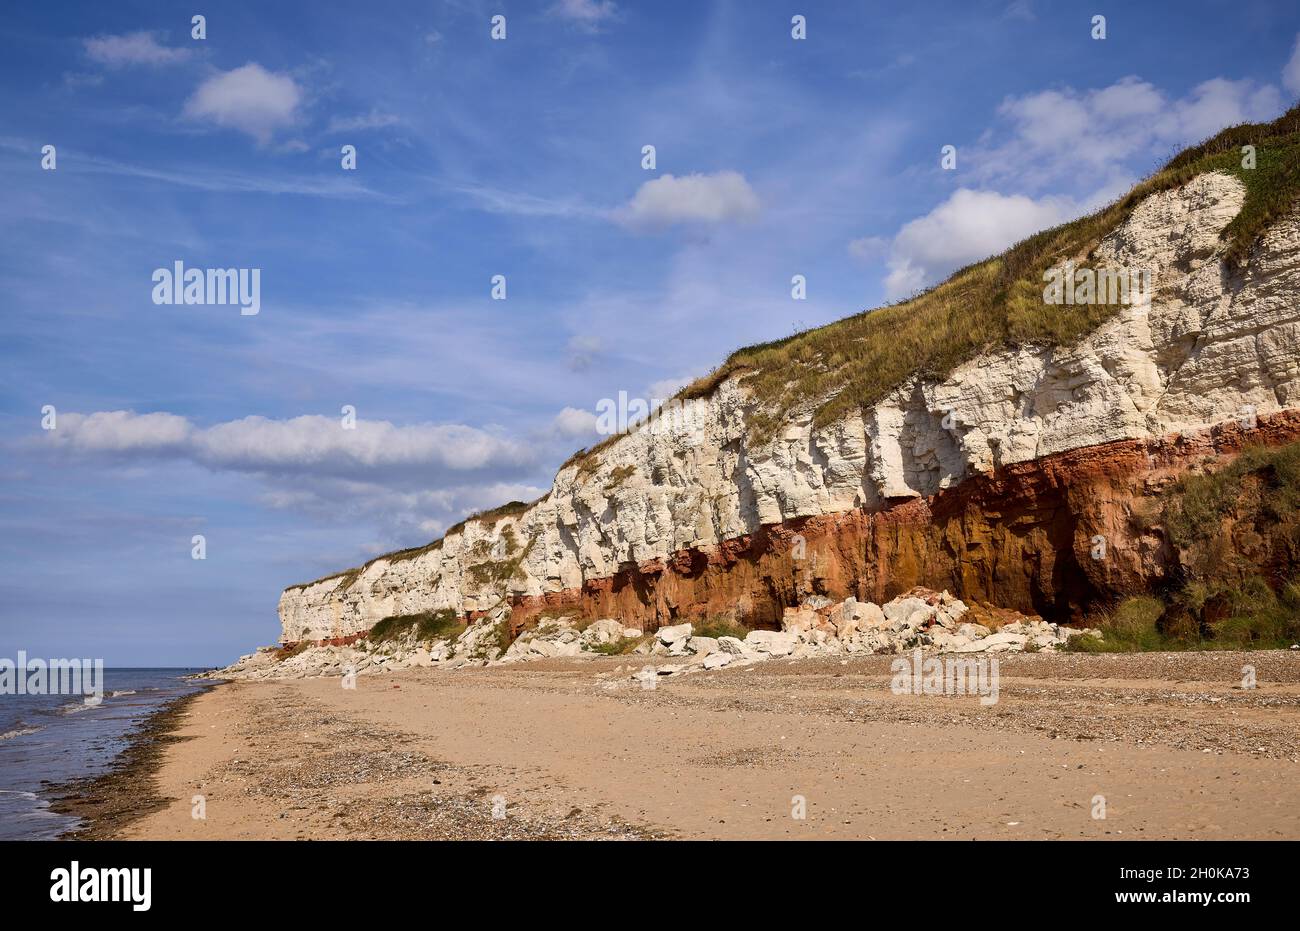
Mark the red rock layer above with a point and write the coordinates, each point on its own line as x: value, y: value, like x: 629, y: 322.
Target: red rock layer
x: 1053, y: 537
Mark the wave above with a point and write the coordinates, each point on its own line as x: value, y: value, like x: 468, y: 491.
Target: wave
x: 77, y: 706
x: 22, y: 730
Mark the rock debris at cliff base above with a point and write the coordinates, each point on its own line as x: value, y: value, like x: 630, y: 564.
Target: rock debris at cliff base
x: 920, y: 619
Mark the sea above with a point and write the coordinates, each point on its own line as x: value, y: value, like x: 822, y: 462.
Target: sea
x: 49, y: 739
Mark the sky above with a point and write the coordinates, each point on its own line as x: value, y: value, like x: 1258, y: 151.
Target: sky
x: 128, y: 427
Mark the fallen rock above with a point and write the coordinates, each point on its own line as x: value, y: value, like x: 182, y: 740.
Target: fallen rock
x: 669, y: 636
x: 771, y: 642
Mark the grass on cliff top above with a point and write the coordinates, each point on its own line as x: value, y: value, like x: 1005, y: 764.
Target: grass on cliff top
x: 489, y: 517
x: 857, y: 361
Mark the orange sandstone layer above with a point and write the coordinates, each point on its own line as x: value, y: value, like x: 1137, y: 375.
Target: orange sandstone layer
x: 1055, y: 536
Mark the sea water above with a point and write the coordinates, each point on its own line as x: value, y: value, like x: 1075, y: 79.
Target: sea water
x: 49, y: 739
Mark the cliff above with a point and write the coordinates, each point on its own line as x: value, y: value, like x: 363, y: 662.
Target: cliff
x: 979, y: 439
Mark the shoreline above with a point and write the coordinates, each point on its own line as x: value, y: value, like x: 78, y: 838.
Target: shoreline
x: 575, y: 750
x: 106, y: 803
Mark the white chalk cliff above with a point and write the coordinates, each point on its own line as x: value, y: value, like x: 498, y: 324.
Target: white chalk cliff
x: 1213, y: 345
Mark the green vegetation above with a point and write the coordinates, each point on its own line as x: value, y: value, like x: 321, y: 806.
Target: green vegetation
x: 1225, y: 526
x: 1254, y: 617
x: 427, y: 625
x: 496, y: 571
x: 618, y: 475
x: 501, y: 638
x: 857, y: 361
x: 1263, y: 480
x: 489, y: 517
x: 288, y: 652
x: 618, y: 647
x: 721, y: 626
x: 1130, y: 627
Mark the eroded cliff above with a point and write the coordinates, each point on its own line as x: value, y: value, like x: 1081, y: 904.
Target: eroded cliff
x: 997, y: 481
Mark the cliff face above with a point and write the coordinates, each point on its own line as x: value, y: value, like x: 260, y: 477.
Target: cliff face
x: 994, y: 482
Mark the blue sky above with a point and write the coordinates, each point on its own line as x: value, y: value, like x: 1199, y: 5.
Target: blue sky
x: 477, y: 157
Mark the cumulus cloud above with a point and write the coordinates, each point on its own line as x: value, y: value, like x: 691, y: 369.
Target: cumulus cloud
x: 250, y: 99
x: 586, y: 14
x: 1215, y: 104
x: 698, y: 198
x: 409, y: 482
x: 135, y: 48
x: 968, y: 226
x: 665, y: 388
x: 1065, y: 134
x: 1088, y: 140
x: 1291, y: 72
x: 869, y: 248
x: 573, y: 422
x: 307, y: 445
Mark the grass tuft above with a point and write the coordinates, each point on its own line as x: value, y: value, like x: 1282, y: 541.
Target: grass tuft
x: 426, y: 625
x: 721, y: 626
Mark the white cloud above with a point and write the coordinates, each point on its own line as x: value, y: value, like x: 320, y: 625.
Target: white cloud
x: 122, y: 432
x: 1215, y: 104
x: 869, y: 248
x: 697, y: 198
x: 1069, y: 135
x: 587, y: 14
x: 575, y: 422
x: 496, y: 200
x: 968, y: 226
x: 1291, y: 72
x: 136, y: 48
x: 410, y: 481
x: 1020, y: 9
x: 665, y: 388
x: 1084, y: 139
x: 583, y: 351
x: 372, y: 120
x: 249, y: 99
x: 307, y: 445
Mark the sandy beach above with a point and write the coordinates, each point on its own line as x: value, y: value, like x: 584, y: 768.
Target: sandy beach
x: 576, y: 749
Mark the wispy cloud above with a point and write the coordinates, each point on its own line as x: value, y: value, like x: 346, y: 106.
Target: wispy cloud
x: 206, y: 179
x: 517, y: 203
x: 135, y: 48
x: 589, y: 15
x: 372, y: 120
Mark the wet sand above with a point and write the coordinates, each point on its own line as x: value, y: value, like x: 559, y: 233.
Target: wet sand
x: 572, y: 749
x: 128, y: 790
